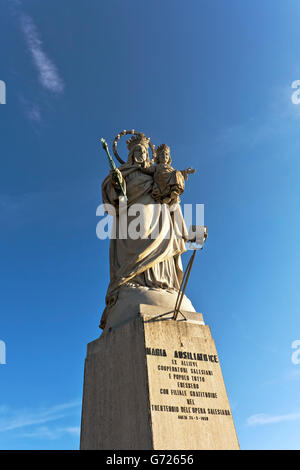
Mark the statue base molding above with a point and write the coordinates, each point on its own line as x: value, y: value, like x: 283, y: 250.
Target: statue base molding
x: 155, y: 383
x: 130, y: 298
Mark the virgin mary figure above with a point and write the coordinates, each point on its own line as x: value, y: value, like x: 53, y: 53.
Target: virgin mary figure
x: 145, y: 264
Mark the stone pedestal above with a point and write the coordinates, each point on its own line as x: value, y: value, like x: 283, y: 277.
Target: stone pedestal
x: 155, y: 383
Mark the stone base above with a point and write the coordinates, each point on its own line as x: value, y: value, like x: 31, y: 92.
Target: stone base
x: 129, y: 299
x: 156, y: 383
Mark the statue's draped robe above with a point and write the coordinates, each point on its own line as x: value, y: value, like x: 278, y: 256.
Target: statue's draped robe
x: 154, y: 260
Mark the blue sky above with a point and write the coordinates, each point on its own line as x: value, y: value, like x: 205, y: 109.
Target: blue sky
x: 213, y: 81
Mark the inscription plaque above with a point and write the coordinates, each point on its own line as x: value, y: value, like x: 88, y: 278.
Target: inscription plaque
x: 187, y: 395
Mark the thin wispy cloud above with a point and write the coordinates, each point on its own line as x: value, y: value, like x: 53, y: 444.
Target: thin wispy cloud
x: 44, y: 432
x: 262, y: 419
x: 17, y: 419
x: 245, y: 136
x: 34, y: 113
x: 48, y: 73
x: 32, y: 110
x: 274, y: 126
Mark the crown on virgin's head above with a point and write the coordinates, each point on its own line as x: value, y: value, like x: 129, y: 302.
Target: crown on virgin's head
x: 138, y: 140
x: 161, y: 148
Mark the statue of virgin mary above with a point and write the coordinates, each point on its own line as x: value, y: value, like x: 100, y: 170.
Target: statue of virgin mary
x: 145, y: 268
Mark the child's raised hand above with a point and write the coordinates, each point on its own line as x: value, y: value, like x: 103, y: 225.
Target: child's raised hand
x: 190, y: 170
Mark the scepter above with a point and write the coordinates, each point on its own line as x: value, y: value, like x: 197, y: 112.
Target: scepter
x: 112, y: 164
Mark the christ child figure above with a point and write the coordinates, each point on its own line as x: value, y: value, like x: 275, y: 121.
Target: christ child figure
x: 168, y: 182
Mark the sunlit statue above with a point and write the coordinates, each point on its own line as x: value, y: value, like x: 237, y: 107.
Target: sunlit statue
x: 168, y: 183
x: 147, y: 269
